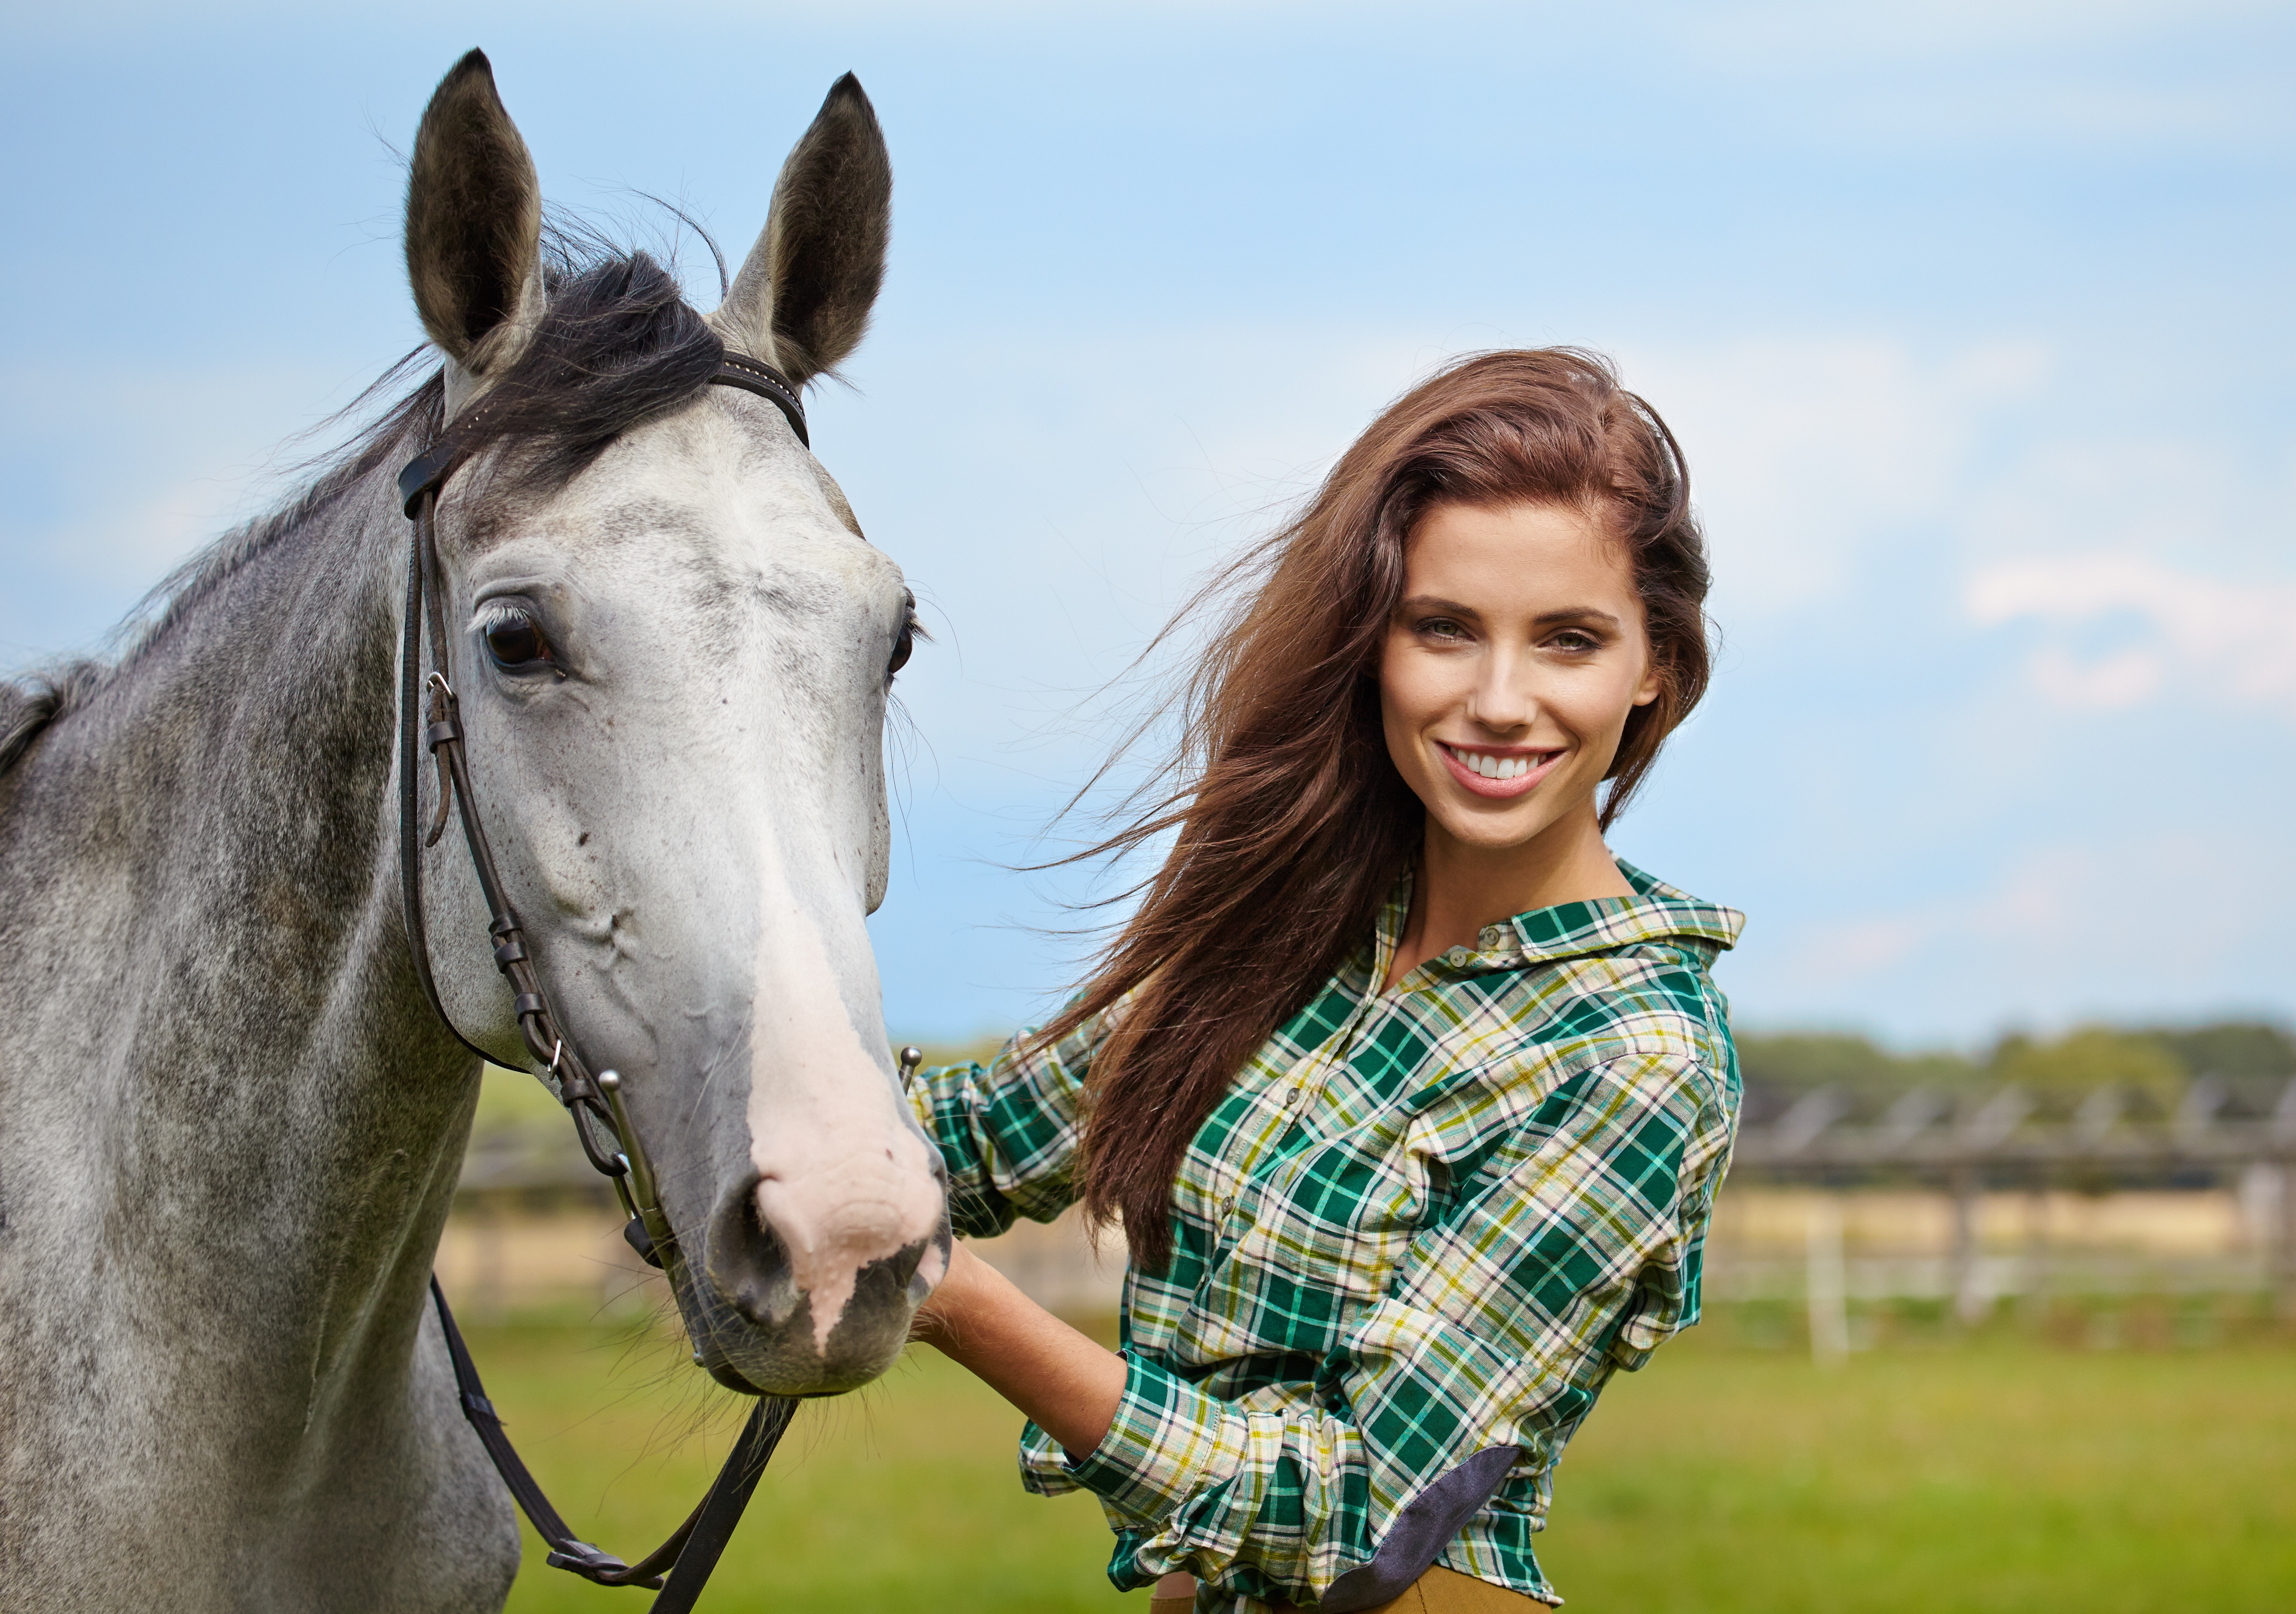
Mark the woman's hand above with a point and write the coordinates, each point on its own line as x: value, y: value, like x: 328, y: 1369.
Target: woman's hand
x: 979, y: 1320
x: 957, y: 1291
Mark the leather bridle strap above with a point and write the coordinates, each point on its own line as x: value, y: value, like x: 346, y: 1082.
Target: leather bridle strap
x: 692, y: 1549
x: 593, y: 1101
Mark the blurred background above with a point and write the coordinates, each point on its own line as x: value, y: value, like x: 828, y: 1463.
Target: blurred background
x: 1973, y: 320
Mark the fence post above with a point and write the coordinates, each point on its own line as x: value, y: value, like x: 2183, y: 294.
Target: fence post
x: 2279, y: 1230
x: 2036, y: 1275
x: 1969, y: 1297
x: 1827, y: 1287
x: 2283, y: 1244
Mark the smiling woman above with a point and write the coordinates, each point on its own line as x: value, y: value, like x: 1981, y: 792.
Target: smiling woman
x: 1411, y: 1100
x: 1512, y: 667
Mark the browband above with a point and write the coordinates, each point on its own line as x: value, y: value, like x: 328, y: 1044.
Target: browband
x: 428, y: 472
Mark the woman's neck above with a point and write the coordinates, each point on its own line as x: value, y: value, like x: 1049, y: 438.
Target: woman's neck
x: 1461, y: 888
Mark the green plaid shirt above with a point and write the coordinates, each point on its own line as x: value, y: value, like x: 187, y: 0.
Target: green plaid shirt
x: 1422, y: 1225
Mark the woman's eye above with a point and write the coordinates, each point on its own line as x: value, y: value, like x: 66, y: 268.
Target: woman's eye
x: 1443, y: 627
x: 515, y: 642
x: 1575, y: 642
x: 903, y: 648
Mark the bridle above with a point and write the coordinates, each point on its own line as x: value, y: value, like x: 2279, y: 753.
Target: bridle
x: 593, y: 1101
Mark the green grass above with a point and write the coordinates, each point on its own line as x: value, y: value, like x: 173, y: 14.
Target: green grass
x: 2003, y: 1475
x: 902, y: 1496
x: 1999, y: 1477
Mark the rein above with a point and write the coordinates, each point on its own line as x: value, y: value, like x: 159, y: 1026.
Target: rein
x: 681, y: 1565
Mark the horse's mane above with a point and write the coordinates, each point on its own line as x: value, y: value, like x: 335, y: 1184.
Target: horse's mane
x: 617, y: 345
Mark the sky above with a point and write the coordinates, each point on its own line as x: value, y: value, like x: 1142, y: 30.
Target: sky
x: 1973, y: 320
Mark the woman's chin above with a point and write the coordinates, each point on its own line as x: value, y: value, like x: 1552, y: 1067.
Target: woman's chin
x: 1475, y: 828
x: 1527, y: 824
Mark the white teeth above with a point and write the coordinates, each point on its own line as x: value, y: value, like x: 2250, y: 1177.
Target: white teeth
x: 1493, y: 767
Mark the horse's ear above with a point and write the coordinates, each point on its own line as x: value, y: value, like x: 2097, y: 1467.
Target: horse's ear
x: 473, y: 223
x: 802, y: 298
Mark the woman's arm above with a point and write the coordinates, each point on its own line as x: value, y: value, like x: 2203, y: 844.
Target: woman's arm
x: 1055, y: 1375
x: 1066, y: 1384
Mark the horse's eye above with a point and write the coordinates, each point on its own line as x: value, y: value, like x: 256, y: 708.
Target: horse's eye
x: 903, y: 647
x: 515, y: 642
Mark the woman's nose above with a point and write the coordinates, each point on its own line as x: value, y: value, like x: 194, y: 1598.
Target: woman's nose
x: 1502, y: 697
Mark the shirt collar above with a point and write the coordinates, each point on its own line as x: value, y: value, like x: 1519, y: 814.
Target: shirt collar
x: 1655, y: 912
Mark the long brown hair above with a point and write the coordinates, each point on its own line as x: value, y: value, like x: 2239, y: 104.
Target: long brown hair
x: 1293, y: 823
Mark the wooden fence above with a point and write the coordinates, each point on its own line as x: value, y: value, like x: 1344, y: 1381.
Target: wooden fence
x: 1968, y: 1200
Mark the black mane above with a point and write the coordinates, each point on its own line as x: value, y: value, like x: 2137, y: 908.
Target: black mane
x: 618, y: 344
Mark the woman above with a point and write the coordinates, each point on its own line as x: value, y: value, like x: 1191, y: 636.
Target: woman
x: 1410, y: 1100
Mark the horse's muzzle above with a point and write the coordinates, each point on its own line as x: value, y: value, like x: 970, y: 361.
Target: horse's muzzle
x: 760, y: 1327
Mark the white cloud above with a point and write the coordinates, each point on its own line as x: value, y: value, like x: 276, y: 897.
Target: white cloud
x: 1805, y: 452
x: 2113, y: 491
x: 2105, y: 685
x: 1981, y: 77
x: 2233, y: 644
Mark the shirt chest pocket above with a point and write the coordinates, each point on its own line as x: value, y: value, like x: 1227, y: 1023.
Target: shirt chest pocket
x: 1309, y: 1239
x: 1320, y: 1236
x: 1343, y: 1211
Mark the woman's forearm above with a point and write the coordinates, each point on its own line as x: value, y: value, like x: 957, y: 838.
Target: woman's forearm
x: 1060, y: 1378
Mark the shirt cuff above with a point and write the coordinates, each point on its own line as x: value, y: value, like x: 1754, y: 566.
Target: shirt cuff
x: 1043, y: 1468
x: 1168, y: 1440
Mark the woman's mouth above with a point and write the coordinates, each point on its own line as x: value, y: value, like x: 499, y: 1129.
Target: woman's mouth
x: 1495, y: 772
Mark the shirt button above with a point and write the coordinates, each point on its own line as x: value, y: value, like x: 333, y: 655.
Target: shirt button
x: 1292, y: 1096
x: 1491, y: 939
x: 1227, y: 1206
x: 1458, y: 956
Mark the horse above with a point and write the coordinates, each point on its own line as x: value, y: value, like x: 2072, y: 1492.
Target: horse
x: 231, y: 1119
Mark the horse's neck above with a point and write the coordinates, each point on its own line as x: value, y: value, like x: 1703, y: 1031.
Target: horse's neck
x: 247, y: 1128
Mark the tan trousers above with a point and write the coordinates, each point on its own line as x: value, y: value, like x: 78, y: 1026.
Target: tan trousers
x: 1439, y: 1591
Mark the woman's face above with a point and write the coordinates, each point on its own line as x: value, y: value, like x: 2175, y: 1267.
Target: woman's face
x: 1509, y: 670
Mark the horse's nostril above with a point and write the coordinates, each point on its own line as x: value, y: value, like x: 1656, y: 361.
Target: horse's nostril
x: 748, y: 1261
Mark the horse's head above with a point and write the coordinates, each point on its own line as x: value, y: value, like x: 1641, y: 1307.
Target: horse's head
x: 673, y: 649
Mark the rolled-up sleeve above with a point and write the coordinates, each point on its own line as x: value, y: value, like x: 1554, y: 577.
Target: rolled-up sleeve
x: 1571, y: 1253
x: 1008, y: 1131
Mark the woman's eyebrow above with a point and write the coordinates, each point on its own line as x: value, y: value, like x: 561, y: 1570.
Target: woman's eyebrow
x: 1546, y: 618
x: 1450, y: 608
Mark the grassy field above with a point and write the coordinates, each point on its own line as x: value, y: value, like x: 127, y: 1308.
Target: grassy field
x: 2003, y: 1475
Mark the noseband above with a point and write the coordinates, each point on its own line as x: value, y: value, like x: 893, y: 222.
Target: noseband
x: 601, y: 1119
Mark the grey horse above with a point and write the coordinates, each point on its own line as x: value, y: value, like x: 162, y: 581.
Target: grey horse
x: 230, y: 1121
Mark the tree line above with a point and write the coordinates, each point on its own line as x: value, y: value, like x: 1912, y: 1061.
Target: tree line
x: 2152, y: 1066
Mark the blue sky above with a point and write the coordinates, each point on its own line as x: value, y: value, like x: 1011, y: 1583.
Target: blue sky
x: 1973, y: 320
